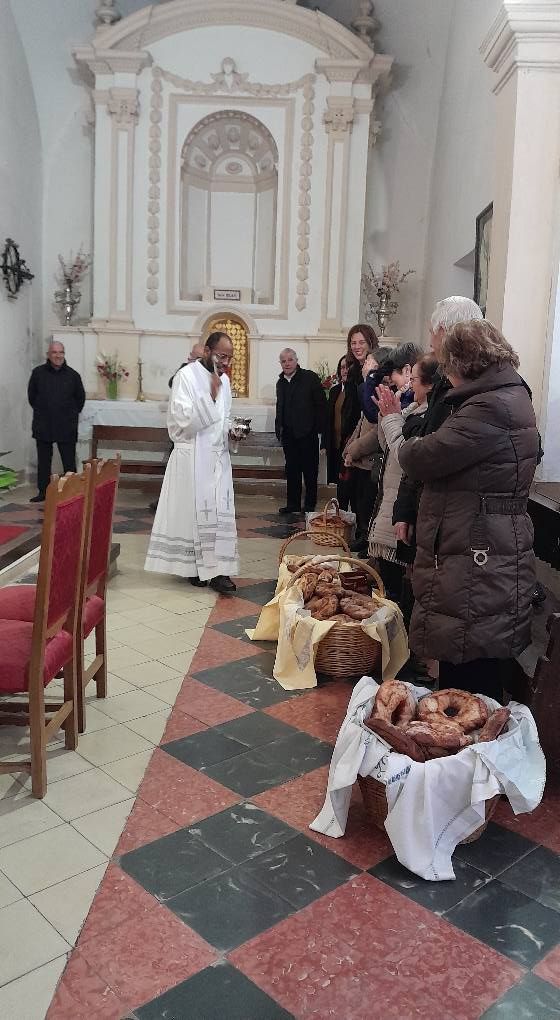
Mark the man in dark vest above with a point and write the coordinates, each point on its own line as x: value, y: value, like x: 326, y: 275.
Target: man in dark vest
x: 301, y: 415
x: 57, y: 396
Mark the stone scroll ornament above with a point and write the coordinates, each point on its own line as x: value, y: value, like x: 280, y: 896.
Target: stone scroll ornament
x: 229, y: 81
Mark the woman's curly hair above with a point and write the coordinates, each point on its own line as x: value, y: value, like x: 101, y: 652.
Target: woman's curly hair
x: 472, y: 347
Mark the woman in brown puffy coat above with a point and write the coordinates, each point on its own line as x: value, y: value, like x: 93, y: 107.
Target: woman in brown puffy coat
x: 474, y: 571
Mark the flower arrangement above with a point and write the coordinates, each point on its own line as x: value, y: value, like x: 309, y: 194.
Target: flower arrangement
x: 73, y: 270
x: 328, y: 378
x: 110, y: 368
x: 379, y: 287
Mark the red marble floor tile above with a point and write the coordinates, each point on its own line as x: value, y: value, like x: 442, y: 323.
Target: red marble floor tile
x: 180, y: 725
x: 542, y: 825
x: 549, y: 967
x: 216, y: 649
x: 364, y: 944
x: 84, y: 995
x: 300, y: 801
x: 231, y: 609
x: 182, y: 793
x: 144, y: 825
x: 118, y: 899
x: 146, y: 955
x: 208, y: 705
x: 320, y: 712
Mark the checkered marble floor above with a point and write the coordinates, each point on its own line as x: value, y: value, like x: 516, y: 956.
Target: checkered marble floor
x: 187, y: 808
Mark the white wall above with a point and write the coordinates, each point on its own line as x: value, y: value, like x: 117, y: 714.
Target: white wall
x: 464, y: 159
x: 20, y: 219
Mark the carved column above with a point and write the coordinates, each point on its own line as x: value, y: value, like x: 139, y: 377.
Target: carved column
x: 338, y: 120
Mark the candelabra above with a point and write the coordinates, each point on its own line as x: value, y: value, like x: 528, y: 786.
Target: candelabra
x: 140, y: 395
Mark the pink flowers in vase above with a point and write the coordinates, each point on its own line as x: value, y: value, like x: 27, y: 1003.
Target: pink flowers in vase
x: 110, y: 368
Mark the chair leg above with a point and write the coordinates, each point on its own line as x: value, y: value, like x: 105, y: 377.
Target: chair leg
x: 71, y: 694
x: 101, y: 649
x: 37, y: 739
x: 81, y: 690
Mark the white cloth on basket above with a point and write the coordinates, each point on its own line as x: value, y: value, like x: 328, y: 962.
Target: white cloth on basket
x: 194, y: 531
x: 432, y: 806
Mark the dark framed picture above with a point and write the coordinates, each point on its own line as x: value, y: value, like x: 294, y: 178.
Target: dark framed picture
x: 482, y: 255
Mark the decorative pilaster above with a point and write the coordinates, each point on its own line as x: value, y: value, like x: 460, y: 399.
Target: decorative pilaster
x: 523, y: 49
x: 365, y: 24
x: 338, y: 119
x: 123, y: 109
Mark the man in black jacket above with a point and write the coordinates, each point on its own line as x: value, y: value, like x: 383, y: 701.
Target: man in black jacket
x: 57, y: 396
x: 301, y: 413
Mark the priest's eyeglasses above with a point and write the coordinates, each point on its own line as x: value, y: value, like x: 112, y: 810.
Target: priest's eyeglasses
x: 224, y: 359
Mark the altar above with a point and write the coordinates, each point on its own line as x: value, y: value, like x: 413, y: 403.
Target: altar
x: 229, y: 190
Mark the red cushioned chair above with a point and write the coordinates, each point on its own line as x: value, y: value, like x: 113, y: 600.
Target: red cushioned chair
x: 104, y: 483
x: 17, y: 602
x: 33, y: 651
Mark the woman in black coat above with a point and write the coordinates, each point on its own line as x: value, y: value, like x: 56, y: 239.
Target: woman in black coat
x: 343, y: 415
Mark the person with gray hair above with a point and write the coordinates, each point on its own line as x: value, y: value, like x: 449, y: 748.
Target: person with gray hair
x: 301, y: 415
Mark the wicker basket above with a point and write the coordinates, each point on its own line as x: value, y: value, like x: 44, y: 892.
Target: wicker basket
x: 322, y: 527
x: 375, y: 804
x: 347, y: 651
x: 334, y: 539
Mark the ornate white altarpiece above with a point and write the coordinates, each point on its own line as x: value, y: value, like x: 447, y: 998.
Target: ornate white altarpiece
x: 231, y: 154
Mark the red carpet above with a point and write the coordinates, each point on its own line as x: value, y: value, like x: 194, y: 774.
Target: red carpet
x: 10, y: 531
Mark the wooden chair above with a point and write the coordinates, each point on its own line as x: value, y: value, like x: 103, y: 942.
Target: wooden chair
x: 545, y: 703
x: 103, y: 486
x: 33, y: 651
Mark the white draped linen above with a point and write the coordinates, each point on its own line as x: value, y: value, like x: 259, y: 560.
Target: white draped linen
x: 194, y: 531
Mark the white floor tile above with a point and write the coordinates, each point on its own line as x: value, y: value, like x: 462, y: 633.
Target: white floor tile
x: 130, y: 706
x: 8, y: 893
x: 61, y: 764
x: 95, y: 720
x: 144, y: 614
x: 29, y: 997
x: 118, y: 602
x: 23, y: 816
x: 115, y: 621
x: 177, y: 604
x: 103, y: 828
x: 167, y: 690
x: 146, y: 674
x: 51, y: 857
x: 81, y: 795
x: 115, y: 686
x: 181, y: 663
x: 9, y: 784
x: 173, y: 623
x: 125, y: 657
x: 130, y: 771
x: 66, y: 905
x: 136, y: 634
x: 152, y: 727
x: 155, y: 645
x: 27, y: 941
x: 110, y: 745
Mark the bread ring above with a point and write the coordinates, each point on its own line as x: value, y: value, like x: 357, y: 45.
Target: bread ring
x: 446, y: 734
x: 396, y: 738
x: 357, y: 596
x: 394, y: 703
x: 494, y: 726
x: 356, y: 612
x: 307, y: 584
x: 343, y: 618
x: 326, y: 608
x: 460, y: 706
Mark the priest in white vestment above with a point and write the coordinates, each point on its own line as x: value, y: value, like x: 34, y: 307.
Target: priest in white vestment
x: 194, y: 533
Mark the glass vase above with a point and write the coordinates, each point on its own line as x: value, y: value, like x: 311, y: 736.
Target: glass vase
x: 112, y: 389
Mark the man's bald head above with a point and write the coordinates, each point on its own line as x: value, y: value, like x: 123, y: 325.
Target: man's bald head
x: 197, y: 352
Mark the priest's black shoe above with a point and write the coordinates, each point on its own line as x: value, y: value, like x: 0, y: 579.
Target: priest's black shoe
x: 39, y: 498
x: 289, y: 510
x: 223, y: 585
x: 197, y: 583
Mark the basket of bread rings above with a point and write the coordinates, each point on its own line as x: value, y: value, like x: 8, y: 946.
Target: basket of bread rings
x: 438, y: 725
x: 431, y: 768
x: 332, y: 519
x: 348, y: 647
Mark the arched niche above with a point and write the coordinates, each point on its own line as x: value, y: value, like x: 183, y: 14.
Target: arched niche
x: 229, y: 193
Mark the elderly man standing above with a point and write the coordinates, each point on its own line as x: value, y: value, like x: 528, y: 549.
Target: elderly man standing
x: 301, y: 415
x: 57, y: 396
x: 194, y: 533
